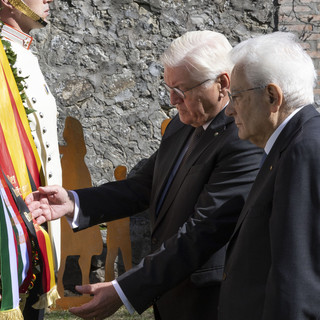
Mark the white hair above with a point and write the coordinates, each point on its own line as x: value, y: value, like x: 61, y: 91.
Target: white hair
x: 204, y: 53
x: 278, y: 58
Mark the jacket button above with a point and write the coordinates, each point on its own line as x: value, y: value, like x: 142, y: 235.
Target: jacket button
x: 154, y: 241
x: 47, y: 144
x: 41, y: 114
x: 44, y: 130
x: 49, y: 158
x: 50, y: 174
x: 34, y: 100
x: 224, y: 276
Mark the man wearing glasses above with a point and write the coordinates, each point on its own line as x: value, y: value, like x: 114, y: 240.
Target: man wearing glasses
x: 194, y: 186
x: 272, y: 269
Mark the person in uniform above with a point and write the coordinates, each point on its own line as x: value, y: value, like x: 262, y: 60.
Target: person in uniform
x: 43, y: 121
x: 19, y: 18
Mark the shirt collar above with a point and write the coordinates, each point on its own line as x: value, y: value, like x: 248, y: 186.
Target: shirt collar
x: 277, y: 132
x: 16, y: 36
x: 206, y: 125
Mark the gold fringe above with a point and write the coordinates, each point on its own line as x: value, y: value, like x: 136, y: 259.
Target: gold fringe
x: 13, y: 314
x: 47, y: 299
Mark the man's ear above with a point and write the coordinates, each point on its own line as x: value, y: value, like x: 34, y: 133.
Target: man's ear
x: 224, y: 81
x: 275, y: 97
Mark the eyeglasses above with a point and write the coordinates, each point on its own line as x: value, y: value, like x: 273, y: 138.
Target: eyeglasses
x: 181, y: 93
x: 233, y: 95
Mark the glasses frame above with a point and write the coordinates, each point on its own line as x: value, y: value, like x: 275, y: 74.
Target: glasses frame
x: 181, y: 93
x: 231, y: 95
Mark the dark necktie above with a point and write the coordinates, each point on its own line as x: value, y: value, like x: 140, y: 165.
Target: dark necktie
x: 194, y: 139
x: 196, y: 135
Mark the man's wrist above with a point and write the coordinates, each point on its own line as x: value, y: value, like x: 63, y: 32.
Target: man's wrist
x: 123, y: 297
x: 73, y: 218
x: 70, y: 213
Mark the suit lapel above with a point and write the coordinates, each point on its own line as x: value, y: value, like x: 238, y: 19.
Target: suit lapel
x: 292, y: 128
x: 208, y: 139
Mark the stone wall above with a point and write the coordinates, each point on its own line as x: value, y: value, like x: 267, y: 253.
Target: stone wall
x: 302, y: 17
x: 101, y: 60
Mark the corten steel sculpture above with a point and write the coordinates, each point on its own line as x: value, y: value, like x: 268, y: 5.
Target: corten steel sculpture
x: 85, y: 243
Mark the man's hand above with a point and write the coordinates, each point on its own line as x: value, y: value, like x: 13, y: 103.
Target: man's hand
x: 104, y: 303
x: 50, y: 203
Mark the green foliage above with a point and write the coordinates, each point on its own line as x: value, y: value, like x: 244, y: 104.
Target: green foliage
x: 12, y: 58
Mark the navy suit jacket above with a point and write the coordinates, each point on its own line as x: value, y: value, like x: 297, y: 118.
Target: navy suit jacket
x: 272, y: 269
x: 213, y: 183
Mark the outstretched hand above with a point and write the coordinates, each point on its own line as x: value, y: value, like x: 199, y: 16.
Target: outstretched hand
x: 50, y: 203
x: 105, y: 301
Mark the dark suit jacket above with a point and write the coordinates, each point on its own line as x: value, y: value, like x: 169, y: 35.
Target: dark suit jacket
x: 272, y: 269
x: 213, y: 183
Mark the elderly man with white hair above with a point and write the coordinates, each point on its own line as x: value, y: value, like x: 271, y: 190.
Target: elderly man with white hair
x: 272, y: 269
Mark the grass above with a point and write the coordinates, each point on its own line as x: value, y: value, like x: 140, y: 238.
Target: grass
x: 121, y: 314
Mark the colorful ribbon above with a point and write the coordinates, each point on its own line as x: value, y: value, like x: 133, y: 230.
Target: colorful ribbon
x: 21, y: 166
x: 9, y: 262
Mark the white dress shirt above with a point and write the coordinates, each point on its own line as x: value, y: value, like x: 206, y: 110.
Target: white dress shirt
x: 277, y: 132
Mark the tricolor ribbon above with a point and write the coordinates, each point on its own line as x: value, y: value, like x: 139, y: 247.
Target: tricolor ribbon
x: 21, y: 167
x: 9, y: 265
